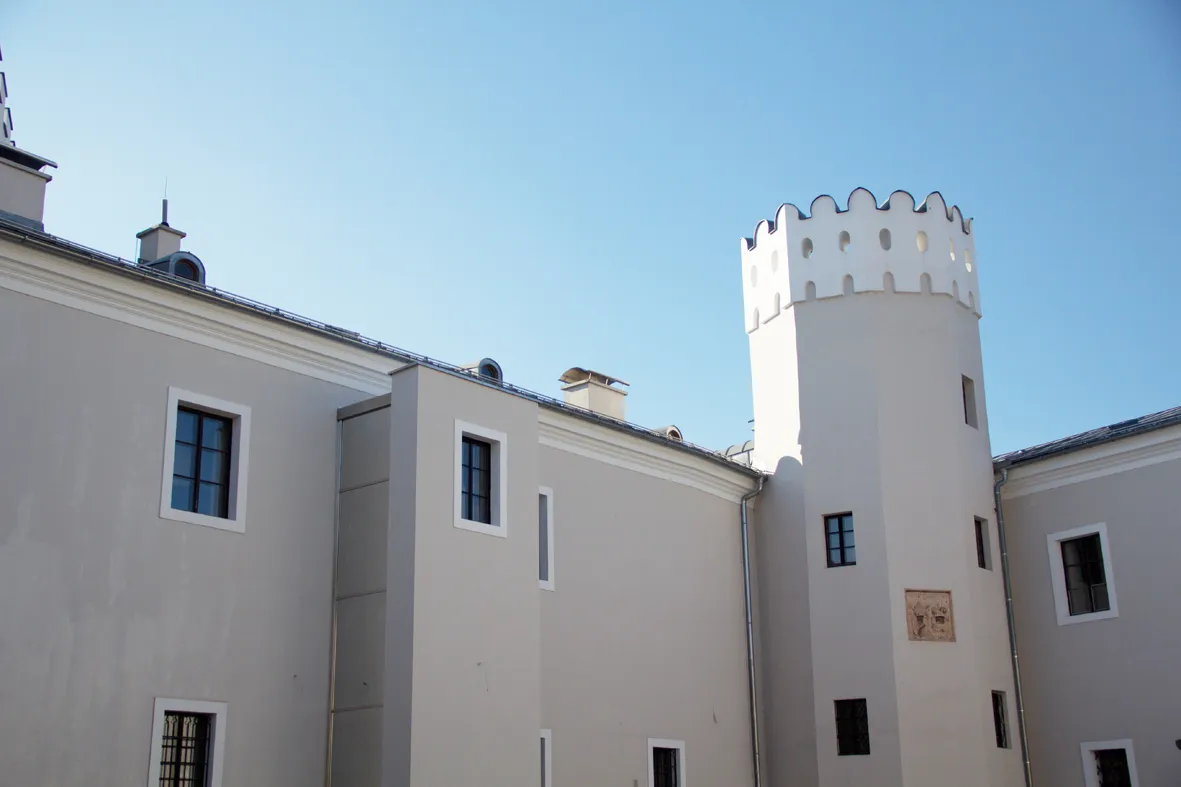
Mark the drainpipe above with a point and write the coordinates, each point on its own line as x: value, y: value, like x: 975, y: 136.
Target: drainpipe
x: 1000, y: 529
x: 750, y: 639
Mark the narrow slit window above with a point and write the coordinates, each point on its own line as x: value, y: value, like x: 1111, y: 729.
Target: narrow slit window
x: 545, y: 539
x: 476, y: 494
x: 983, y: 547
x: 1000, y: 720
x: 968, y: 388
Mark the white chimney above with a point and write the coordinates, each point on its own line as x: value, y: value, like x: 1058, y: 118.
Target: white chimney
x: 22, y: 183
x: 594, y: 391
x: 159, y: 241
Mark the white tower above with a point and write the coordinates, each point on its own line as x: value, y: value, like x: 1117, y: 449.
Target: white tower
x: 869, y: 409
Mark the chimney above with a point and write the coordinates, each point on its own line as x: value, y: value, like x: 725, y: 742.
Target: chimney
x: 22, y: 183
x: 594, y: 391
x: 160, y: 240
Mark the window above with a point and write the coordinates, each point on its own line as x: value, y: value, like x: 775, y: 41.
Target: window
x: 1000, y: 720
x: 1080, y: 569
x: 188, y: 743
x: 1086, y: 583
x: 206, y: 459
x: 545, y: 538
x: 481, y: 479
x: 201, y: 466
x: 666, y: 763
x: 838, y: 530
x: 477, y: 480
x: 547, y: 758
x: 852, y: 727
x: 983, y: 548
x: 969, y: 390
x: 1109, y: 764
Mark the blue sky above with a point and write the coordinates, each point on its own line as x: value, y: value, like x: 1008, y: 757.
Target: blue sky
x: 560, y: 184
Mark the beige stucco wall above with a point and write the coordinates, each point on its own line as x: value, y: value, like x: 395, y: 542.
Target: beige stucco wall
x: 1107, y: 679
x: 644, y: 633
x: 858, y: 408
x: 105, y: 605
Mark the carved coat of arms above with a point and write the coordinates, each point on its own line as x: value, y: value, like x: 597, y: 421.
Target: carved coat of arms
x: 929, y: 616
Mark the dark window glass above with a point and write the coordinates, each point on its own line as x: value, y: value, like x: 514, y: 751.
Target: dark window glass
x: 838, y: 532
x: 201, y: 463
x: 185, y: 750
x: 969, y: 389
x: 543, y: 753
x: 852, y: 727
x: 982, y: 551
x: 186, y: 270
x: 1112, y: 765
x: 1086, y: 581
x: 666, y: 767
x: 476, y: 481
x: 542, y: 539
x: 1000, y: 719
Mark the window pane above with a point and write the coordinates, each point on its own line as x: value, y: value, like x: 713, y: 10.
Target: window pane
x: 1079, y: 600
x: 1099, y: 600
x: 851, y: 555
x: 834, y: 540
x: 543, y: 784
x: 847, y: 524
x: 214, y: 465
x: 184, y: 460
x: 182, y: 494
x: 467, y: 453
x: 849, y: 540
x: 834, y: 557
x: 215, y: 433
x: 466, y: 502
x: 542, y: 539
x: 186, y: 426
x: 833, y: 524
x: 210, y: 499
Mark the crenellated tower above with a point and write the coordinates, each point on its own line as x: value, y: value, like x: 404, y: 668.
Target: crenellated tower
x: 869, y: 410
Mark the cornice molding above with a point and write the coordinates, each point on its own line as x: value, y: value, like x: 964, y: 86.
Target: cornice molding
x: 593, y: 441
x: 1118, y: 456
x: 190, y: 317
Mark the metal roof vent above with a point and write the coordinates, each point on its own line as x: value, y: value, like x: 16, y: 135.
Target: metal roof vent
x: 486, y: 368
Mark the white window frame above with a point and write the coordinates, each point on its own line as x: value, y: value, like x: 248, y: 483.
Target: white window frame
x: 548, y: 494
x: 666, y: 743
x: 499, y: 482
x: 239, y: 415
x: 1058, y: 574
x: 1091, y: 771
x: 548, y: 737
x: 218, y: 710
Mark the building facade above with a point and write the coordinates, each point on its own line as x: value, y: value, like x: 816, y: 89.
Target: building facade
x: 241, y: 547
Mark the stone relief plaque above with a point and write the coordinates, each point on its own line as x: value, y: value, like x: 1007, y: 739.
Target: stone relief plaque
x: 929, y: 616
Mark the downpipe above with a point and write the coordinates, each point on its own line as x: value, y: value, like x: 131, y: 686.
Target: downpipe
x: 750, y: 639
x: 1000, y: 529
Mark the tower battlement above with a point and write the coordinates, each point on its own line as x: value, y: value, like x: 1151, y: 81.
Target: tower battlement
x: 863, y: 248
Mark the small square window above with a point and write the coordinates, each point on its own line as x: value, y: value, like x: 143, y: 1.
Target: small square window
x: 852, y: 727
x: 545, y: 538
x: 206, y: 459
x: 666, y: 763
x: 1080, y: 569
x: 983, y: 547
x: 1000, y: 720
x: 969, y: 391
x: 188, y: 743
x: 481, y: 479
x: 839, y: 542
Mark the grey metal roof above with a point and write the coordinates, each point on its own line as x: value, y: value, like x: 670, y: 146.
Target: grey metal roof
x: 91, y: 256
x: 1104, y: 434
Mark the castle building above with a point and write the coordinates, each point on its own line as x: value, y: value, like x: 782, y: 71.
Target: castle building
x: 243, y: 547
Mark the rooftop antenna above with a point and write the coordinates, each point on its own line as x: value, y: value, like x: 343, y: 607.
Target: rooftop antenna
x: 164, y: 205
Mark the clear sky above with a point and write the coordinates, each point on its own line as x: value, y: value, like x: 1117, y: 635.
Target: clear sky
x: 565, y: 183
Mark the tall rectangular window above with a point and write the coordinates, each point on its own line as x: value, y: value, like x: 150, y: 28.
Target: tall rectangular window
x: 665, y: 770
x: 969, y: 390
x: 1111, y: 766
x: 838, y: 533
x: 983, y: 547
x: 476, y: 476
x: 1000, y: 719
x: 1086, y: 580
x: 852, y: 727
x: 201, y: 463
x: 185, y: 749
x: 545, y: 538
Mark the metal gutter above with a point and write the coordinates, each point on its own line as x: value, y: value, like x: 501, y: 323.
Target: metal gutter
x: 1012, y: 620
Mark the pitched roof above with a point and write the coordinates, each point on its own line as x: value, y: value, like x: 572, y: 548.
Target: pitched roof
x: 1104, y: 434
